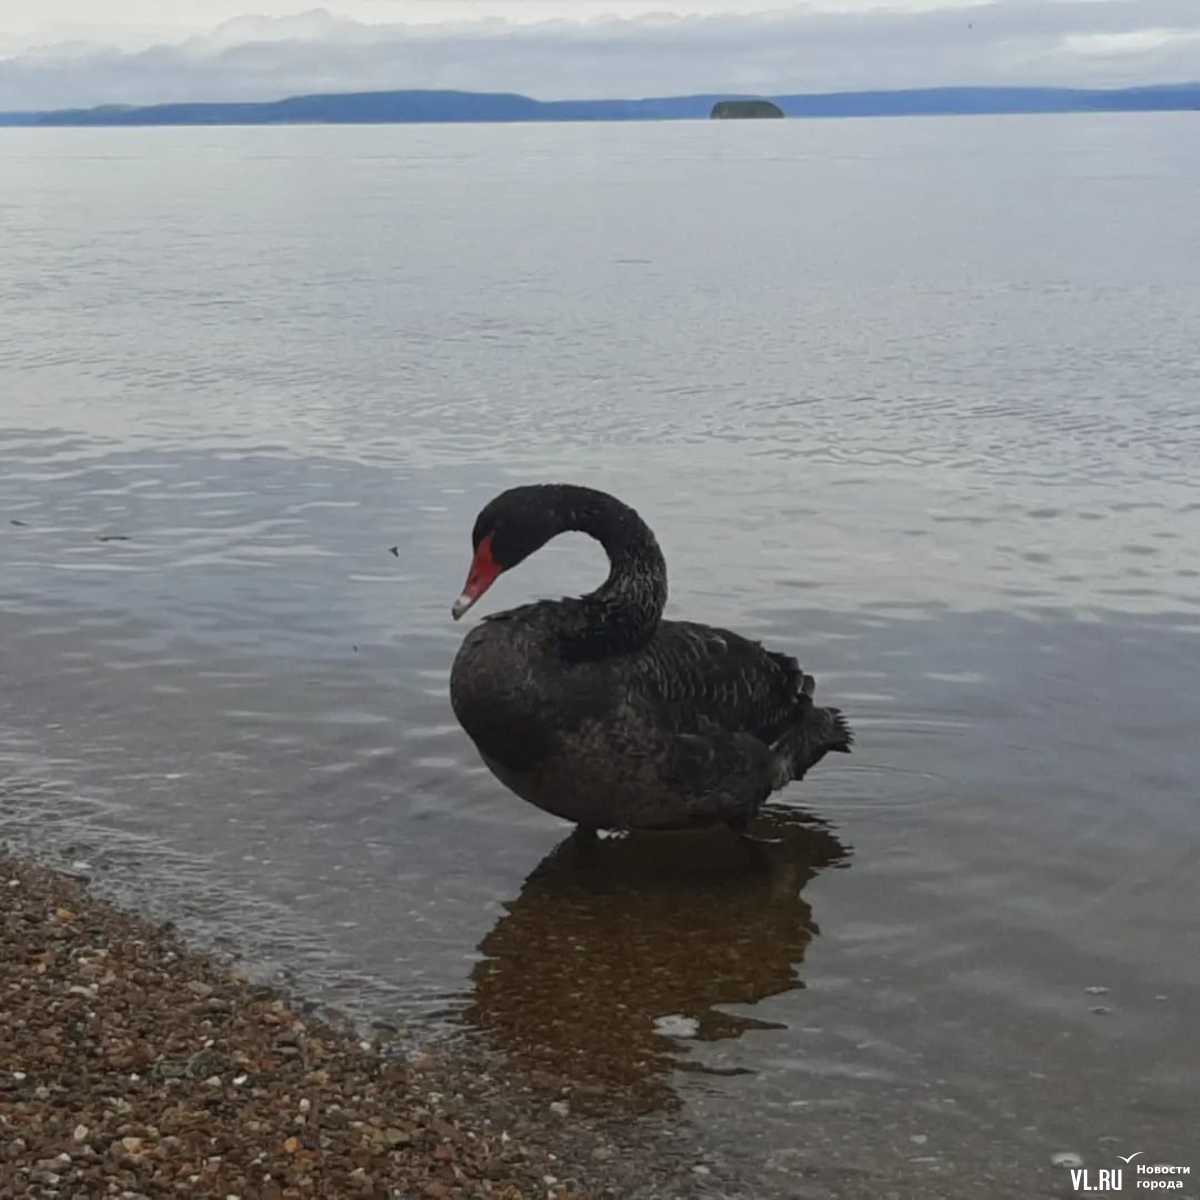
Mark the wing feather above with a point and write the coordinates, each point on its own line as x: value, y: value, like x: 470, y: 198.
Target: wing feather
x: 702, y: 675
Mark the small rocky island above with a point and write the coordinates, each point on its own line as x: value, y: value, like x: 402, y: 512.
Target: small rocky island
x: 725, y: 110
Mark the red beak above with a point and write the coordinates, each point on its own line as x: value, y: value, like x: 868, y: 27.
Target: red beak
x: 483, y: 573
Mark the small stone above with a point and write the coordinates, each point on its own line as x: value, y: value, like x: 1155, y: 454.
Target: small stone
x: 199, y: 988
x: 677, y: 1025
x: 919, y: 1139
x: 549, y: 1180
x: 701, y: 1170
x: 292, y: 1145
x: 238, y: 1080
x: 560, y: 1108
x: 305, y: 1105
x: 132, y: 1145
x: 80, y: 1133
x: 213, y: 1081
x: 19, y: 1076
x: 1066, y: 1159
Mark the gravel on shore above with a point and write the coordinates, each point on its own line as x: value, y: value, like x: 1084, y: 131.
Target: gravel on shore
x: 132, y: 1066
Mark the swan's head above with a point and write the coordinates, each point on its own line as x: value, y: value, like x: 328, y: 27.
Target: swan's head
x: 508, y: 530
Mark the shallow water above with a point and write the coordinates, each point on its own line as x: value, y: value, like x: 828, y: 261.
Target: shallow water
x: 913, y: 400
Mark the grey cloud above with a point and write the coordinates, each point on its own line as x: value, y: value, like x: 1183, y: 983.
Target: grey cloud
x: 1006, y: 41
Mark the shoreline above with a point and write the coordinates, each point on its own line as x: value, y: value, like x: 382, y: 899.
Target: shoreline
x: 134, y: 1065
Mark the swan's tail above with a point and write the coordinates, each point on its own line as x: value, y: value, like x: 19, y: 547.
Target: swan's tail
x: 816, y: 731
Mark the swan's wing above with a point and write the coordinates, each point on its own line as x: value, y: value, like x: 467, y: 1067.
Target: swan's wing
x: 699, y: 675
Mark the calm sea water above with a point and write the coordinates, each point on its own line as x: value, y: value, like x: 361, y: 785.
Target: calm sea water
x: 913, y: 400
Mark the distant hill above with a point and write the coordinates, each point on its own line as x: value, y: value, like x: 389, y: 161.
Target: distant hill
x: 441, y: 106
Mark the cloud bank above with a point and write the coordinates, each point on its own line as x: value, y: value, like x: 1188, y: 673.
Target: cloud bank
x: 1070, y: 42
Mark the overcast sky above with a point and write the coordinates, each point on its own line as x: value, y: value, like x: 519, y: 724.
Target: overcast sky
x: 56, y: 53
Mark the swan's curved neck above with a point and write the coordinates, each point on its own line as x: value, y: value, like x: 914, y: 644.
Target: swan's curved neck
x: 623, y: 612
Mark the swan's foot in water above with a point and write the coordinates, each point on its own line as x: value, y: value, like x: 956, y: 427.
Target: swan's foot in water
x: 754, y: 840
x: 742, y: 829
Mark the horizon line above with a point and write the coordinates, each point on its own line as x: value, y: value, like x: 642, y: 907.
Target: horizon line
x: 1062, y: 91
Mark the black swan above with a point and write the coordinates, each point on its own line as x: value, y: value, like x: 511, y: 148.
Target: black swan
x: 599, y: 711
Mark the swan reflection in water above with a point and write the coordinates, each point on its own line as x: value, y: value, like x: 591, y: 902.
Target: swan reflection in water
x: 612, y: 941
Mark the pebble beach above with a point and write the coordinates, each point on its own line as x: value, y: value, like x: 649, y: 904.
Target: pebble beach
x: 132, y: 1066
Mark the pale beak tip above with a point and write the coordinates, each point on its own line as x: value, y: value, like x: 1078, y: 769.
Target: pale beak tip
x: 461, y: 605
